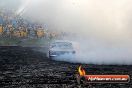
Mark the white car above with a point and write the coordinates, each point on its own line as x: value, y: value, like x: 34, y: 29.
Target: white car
x: 60, y: 48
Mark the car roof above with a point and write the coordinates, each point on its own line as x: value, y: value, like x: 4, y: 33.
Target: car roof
x: 62, y: 41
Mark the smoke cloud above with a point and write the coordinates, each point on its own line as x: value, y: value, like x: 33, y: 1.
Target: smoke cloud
x: 102, y: 27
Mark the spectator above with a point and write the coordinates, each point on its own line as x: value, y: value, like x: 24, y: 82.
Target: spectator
x: 1, y: 29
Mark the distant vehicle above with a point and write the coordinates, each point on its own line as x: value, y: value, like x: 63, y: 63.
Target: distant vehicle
x: 59, y: 48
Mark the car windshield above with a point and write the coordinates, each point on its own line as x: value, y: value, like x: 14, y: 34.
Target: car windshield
x: 63, y: 45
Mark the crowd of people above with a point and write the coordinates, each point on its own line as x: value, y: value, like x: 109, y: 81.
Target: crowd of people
x: 13, y: 25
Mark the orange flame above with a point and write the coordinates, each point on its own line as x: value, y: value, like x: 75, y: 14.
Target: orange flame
x: 81, y: 71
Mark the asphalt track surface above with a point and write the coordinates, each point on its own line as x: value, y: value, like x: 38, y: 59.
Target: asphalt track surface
x: 22, y: 67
